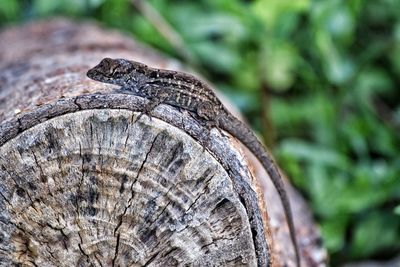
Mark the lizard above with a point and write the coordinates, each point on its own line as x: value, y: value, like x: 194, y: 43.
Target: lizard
x: 185, y: 91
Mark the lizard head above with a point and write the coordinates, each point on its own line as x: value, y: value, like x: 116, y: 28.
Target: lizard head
x: 118, y: 71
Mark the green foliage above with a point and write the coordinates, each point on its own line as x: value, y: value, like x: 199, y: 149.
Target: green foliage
x: 329, y: 73
x: 9, y: 11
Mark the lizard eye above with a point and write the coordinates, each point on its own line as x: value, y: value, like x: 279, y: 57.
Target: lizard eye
x: 117, y: 72
x: 113, y: 71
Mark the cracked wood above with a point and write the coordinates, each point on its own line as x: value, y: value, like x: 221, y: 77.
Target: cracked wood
x: 118, y: 193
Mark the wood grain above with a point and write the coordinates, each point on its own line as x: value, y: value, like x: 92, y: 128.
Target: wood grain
x: 95, y: 187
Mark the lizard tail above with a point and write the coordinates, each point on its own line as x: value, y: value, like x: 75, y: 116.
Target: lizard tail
x: 241, y: 131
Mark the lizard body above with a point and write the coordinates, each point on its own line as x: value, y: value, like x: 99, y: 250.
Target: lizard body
x: 185, y: 91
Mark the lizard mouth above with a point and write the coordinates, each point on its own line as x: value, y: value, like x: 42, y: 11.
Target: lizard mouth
x: 96, y: 75
x: 91, y: 73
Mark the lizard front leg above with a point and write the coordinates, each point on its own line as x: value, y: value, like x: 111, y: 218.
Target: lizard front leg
x: 152, y: 104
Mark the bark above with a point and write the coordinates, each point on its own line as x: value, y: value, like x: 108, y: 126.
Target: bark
x: 87, y: 183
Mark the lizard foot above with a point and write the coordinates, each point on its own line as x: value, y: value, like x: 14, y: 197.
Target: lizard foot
x: 152, y: 104
x: 146, y: 113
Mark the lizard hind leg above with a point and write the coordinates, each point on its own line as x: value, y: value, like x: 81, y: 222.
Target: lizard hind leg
x: 211, y: 116
x: 205, y: 111
x: 209, y: 119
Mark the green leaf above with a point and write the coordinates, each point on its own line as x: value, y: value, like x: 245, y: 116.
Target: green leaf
x: 9, y: 10
x: 279, y: 72
x: 397, y: 210
x: 216, y: 56
x: 338, y: 68
x: 47, y: 7
x: 379, y: 231
x: 315, y: 154
x: 333, y: 233
x: 271, y: 10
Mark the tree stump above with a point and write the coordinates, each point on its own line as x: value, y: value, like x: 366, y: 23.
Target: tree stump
x: 87, y: 183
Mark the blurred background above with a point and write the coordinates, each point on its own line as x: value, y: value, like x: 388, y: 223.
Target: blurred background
x: 318, y: 80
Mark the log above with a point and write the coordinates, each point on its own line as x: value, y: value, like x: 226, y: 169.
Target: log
x: 85, y: 182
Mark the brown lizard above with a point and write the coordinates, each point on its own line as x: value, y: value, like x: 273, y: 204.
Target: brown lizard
x: 185, y: 91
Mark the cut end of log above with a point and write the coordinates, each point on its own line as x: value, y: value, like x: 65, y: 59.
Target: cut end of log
x: 96, y: 186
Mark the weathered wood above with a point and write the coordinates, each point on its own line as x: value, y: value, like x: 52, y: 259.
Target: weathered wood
x: 96, y: 187
x: 85, y: 183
